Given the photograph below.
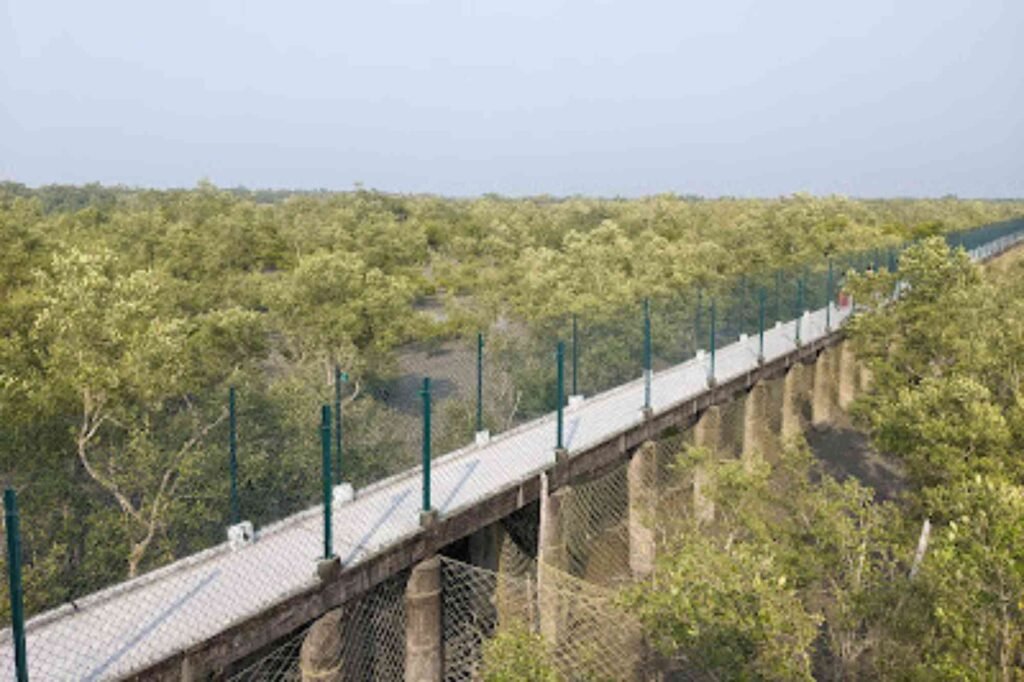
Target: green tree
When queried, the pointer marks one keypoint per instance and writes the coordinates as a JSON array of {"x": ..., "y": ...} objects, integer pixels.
[
  {"x": 517, "y": 655},
  {"x": 132, "y": 362}
]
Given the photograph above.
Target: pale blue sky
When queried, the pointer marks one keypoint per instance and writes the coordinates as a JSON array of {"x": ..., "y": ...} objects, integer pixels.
[{"x": 741, "y": 97}]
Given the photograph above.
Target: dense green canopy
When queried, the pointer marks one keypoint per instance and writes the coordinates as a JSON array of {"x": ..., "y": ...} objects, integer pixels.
[{"x": 126, "y": 314}]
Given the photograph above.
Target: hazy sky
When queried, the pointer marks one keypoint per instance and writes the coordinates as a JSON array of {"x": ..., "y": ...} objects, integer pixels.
[{"x": 758, "y": 97}]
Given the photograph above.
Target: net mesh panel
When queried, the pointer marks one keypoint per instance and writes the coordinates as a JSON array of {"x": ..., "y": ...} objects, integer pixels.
[
  {"x": 594, "y": 528},
  {"x": 674, "y": 331},
  {"x": 610, "y": 349},
  {"x": 470, "y": 616},
  {"x": 588, "y": 636},
  {"x": 384, "y": 426},
  {"x": 281, "y": 664},
  {"x": 369, "y": 646},
  {"x": 521, "y": 369}
]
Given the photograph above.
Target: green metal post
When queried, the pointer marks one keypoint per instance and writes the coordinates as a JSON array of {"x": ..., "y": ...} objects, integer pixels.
[
  {"x": 14, "y": 583},
  {"x": 698, "y": 320},
  {"x": 828, "y": 298},
  {"x": 711, "y": 344},
  {"x": 575, "y": 357},
  {"x": 760, "y": 324},
  {"x": 325, "y": 478},
  {"x": 778, "y": 295},
  {"x": 560, "y": 370},
  {"x": 892, "y": 260},
  {"x": 479, "y": 382},
  {"x": 647, "y": 354},
  {"x": 338, "y": 460},
  {"x": 799, "y": 307},
  {"x": 233, "y": 455},
  {"x": 741, "y": 306},
  {"x": 425, "y": 394}
]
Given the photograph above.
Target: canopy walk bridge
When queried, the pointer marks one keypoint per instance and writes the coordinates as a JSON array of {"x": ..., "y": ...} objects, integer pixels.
[{"x": 376, "y": 599}]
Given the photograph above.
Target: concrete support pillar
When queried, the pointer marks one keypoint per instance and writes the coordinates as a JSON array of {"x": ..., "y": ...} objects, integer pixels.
[
  {"x": 321, "y": 657},
  {"x": 706, "y": 434},
  {"x": 821, "y": 390},
  {"x": 551, "y": 548},
  {"x": 642, "y": 486},
  {"x": 424, "y": 634},
  {"x": 552, "y": 557},
  {"x": 792, "y": 386},
  {"x": 846, "y": 376},
  {"x": 756, "y": 430}
]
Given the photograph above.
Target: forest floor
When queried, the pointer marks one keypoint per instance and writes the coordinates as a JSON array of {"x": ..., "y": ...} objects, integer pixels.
[{"x": 845, "y": 452}]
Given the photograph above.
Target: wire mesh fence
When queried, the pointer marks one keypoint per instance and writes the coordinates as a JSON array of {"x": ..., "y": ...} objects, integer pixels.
[
  {"x": 596, "y": 532},
  {"x": 586, "y": 634},
  {"x": 506, "y": 375},
  {"x": 364, "y": 639}
]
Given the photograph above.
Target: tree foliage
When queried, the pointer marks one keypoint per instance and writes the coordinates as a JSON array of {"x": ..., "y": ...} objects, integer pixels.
[
  {"x": 125, "y": 314},
  {"x": 799, "y": 574}
]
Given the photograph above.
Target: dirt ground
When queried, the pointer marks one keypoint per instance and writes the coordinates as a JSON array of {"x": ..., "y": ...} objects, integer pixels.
[{"x": 846, "y": 452}]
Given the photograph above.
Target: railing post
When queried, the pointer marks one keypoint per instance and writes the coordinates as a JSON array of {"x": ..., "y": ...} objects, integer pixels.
[
  {"x": 778, "y": 295},
  {"x": 698, "y": 320},
  {"x": 339, "y": 377},
  {"x": 426, "y": 510},
  {"x": 828, "y": 298},
  {"x": 325, "y": 478},
  {"x": 233, "y": 456},
  {"x": 575, "y": 357},
  {"x": 479, "y": 382},
  {"x": 560, "y": 396},
  {"x": 760, "y": 325},
  {"x": 799, "y": 307},
  {"x": 741, "y": 306},
  {"x": 14, "y": 583},
  {"x": 711, "y": 345},
  {"x": 647, "y": 354}
]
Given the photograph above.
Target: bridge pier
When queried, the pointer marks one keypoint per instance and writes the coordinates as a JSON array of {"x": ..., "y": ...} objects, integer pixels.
[
  {"x": 424, "y": 633},
  {"x": 707, "y": 433},
  {"x": 821, "y": 389},
  {"x": 641, "y": 477},
  {"x": 322, "y": 656},
  {"x": 756, "y": 430},
  {"x": 846, "y": 376},
  {"x": 552, "y": 556},
  {"x": 792, "y": 387}
]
